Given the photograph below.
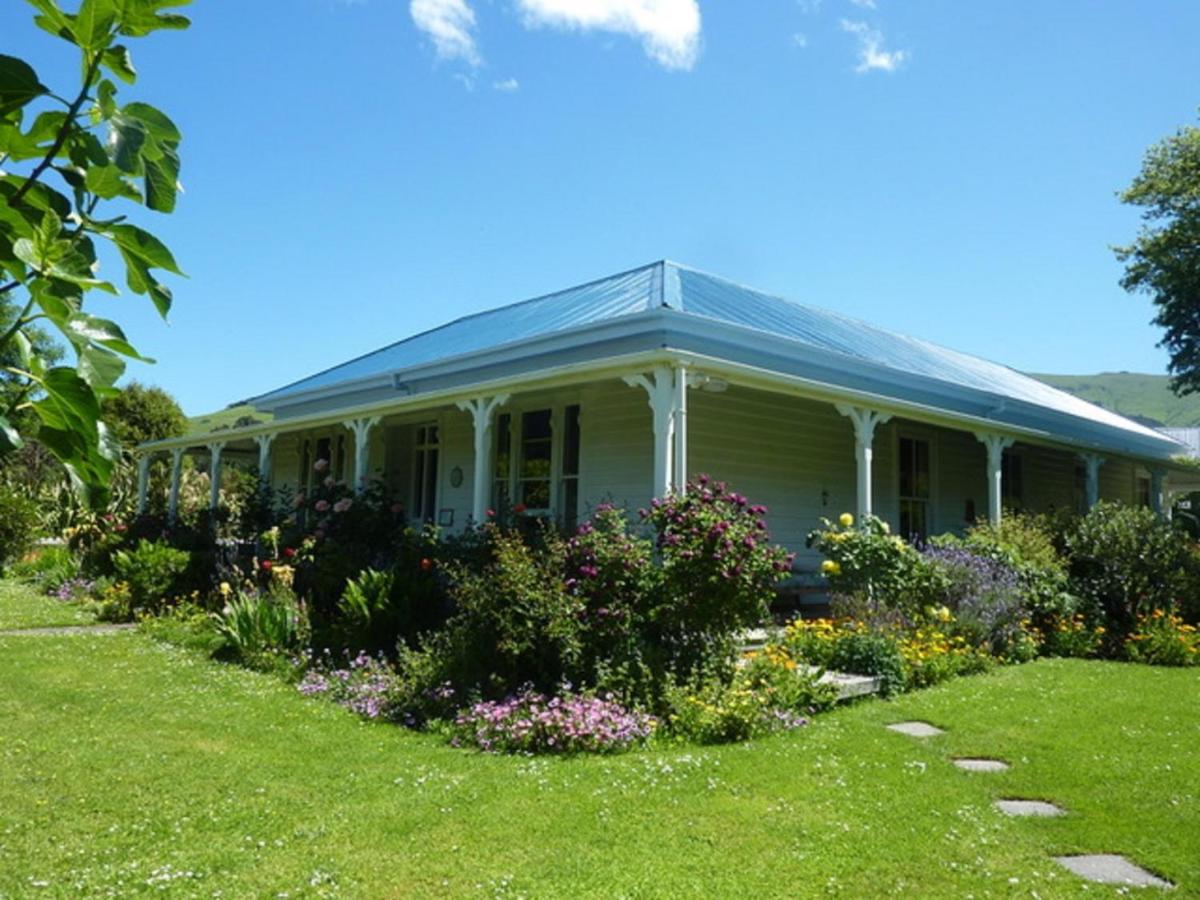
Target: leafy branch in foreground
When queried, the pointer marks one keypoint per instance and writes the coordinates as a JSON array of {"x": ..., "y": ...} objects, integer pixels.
[{"x": 63, "y": 164}]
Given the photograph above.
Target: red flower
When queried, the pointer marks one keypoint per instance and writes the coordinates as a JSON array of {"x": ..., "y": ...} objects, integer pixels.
[
  {"x": 491, "y": 513},
  {"x": 519, "y": 508},
  {"x": 289, "y": 552},
  {"x": 426, "y": 564},
  {"x": 266, "y": 565}
]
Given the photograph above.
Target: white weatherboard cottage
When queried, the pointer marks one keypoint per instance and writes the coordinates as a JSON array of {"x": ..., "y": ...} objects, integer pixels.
[{"x": 621, "y": 388}]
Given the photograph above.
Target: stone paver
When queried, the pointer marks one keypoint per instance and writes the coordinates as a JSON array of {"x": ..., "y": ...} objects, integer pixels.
[
  {"x": 1109, "y": 868},
  {"x": 979, "y": 764},
  {"x": 916, "y": 729},
  {"x": 1029, "y": 808},
  {"x": 66, "y": 629}
]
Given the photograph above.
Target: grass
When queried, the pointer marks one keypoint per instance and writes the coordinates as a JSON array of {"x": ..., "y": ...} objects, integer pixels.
[
  {"x": 226, "y": 418},
  {"x": 23, "y": 607},
  {"x": 130, "y": 766},
  {"x": 1147, "y": 398}
]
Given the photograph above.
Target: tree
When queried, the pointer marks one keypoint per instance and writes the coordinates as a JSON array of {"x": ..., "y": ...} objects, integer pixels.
[
  {"x": 138, "y": 414},
  {"x": 11, "y": 386},
  {"x": 1164, "y": 260},
  {"x": 65, "y": 162}
]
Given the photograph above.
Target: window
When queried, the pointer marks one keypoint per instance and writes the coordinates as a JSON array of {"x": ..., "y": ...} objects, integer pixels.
[
  {"x": 569, "y": 491},
  {"x": 502, "y": 468},
  {"x": 339, "y": 461},
  {"x": 425, "y": 473},
  {"x": 916, "y": 483},
  {"x": 1012, "y": 488},
  {"x": 1143, "y": 491},
  {"x": 533, "y": 476},
  {"x": 536, "y": 462}
]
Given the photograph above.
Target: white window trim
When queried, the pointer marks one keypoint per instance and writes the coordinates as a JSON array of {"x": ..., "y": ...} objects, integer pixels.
[
  {"x": 415, "y": 448},
  {"x": 516, "y": 410}
]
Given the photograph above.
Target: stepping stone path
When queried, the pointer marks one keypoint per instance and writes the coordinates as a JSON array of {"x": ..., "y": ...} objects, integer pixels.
[
  {"x": 971, "y": 764},
  {"x": 1103, "y": 868},
  {"x": 1109, "y": 868},
  {"x": 1039, "y": 808}
]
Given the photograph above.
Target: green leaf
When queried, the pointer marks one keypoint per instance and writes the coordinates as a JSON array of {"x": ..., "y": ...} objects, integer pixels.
[
  {"x": 104, "y": 181},
  {"x": 82, "y": 328},
  {"x": 9, "y": 439},
  {"x": 140, "y": 17},
  {"x": 120, "y": 63},
  {"x": 18, "y": 84},
  {"x": 106, "y": 93},
  {"x": 162, "y": 182},
  {"x": 140, "y": 281},
  {"x": 126, "y": 140},
  {"x": 52, "y": 19},
  {"x": 94, "y": 23},
  {"x": 45, "y": 127},
  {"x": 145, "y": 246},
  {"x": 154, "y": 121},
  {"x": 99, "y": 367}
]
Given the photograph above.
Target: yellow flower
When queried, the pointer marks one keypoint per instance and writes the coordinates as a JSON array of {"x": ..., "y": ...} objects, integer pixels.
[
  {"x": 225, "y": 589},
  {"x": 831, "y": 567},
  {"x": 885, "y": 528},
  {"x": 846, "y": 520}
]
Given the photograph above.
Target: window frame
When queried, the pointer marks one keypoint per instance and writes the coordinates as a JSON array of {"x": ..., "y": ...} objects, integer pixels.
[
  {"x": 507, "y": 486},
  {"x": 929, "y": 437}
]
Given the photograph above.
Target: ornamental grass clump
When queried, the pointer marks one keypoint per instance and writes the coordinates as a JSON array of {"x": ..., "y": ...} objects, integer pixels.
[
  {"x": 530, "y": 722},
  {"x": 366, "y": 685}
]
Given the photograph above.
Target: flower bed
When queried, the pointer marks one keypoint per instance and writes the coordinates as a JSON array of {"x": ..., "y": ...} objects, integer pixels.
[{"x": 530, "y": 722}]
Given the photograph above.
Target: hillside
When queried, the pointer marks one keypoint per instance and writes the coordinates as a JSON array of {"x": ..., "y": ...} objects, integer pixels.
[
  {"x": 226, "y": 418},
  {"x": 1145, "y": 398}
]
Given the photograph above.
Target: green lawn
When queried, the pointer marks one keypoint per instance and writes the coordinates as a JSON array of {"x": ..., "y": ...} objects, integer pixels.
[
  {"x": 129, "y": 766},
  {"x": 23, "y": 607}
]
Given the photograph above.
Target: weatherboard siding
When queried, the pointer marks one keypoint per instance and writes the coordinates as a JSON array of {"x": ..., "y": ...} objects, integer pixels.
[{"x": 794, "y": 456}]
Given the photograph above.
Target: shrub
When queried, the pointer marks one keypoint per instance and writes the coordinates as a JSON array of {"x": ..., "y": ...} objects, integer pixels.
[
  {"x": 771, "y": 692},
  {"x": 185, "y": 625},
  {"x": 1163, "y": 639},
  {"x": 530, "y": 722},
  {"x": 153, "y": 573},
  {"x": 850, "y": 646},
  {"x": 984, "y": 596},
  {"x": 931, "y": 656},
  {"x": 868, "y": 562},
  {"x": 365, "y": 685},
  {"x": 364, "y": 602},
  {"x": 1025, "y": 544},
  {"x": 719, "y": 568},
  {"x": 1125, "y": 562},
  {"x": 18, "y": 525},
  {"x": 259, "y": 625},
  {"x": 1071, "y": 637},
  {"x": 47, "y": 567},
  {"x": 784, "y": 683}
]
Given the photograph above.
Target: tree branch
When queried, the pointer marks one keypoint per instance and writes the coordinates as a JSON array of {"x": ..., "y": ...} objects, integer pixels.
[{"x": 61, "y": 137}]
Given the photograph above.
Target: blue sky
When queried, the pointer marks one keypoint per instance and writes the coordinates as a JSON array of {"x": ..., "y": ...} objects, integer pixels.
[{"x": 359, "y": 171}]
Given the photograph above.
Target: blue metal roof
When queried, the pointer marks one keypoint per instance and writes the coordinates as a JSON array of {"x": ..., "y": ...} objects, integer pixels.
[{"x": 678, "y": 291}]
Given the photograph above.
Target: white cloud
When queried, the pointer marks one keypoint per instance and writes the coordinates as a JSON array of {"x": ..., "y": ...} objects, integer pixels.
[
  {"x": 507, "y": 86},
  {"x": 871, "y": 55},
  {"x": 864, "y": 4},
  {"x": 450, "y": 24},
  {"x": 809, "y": 7},
  {"x": 669, "y": 29},
  {"x": 799, "y": 40}
]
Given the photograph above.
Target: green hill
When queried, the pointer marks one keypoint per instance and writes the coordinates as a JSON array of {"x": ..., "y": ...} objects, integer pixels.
[
  {"x": 229, "y": 417},
  {"x": 1144, "y": 398}
]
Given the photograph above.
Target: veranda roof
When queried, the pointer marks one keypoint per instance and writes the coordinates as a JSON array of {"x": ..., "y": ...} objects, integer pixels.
[{"x": 665, "y": 304}]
